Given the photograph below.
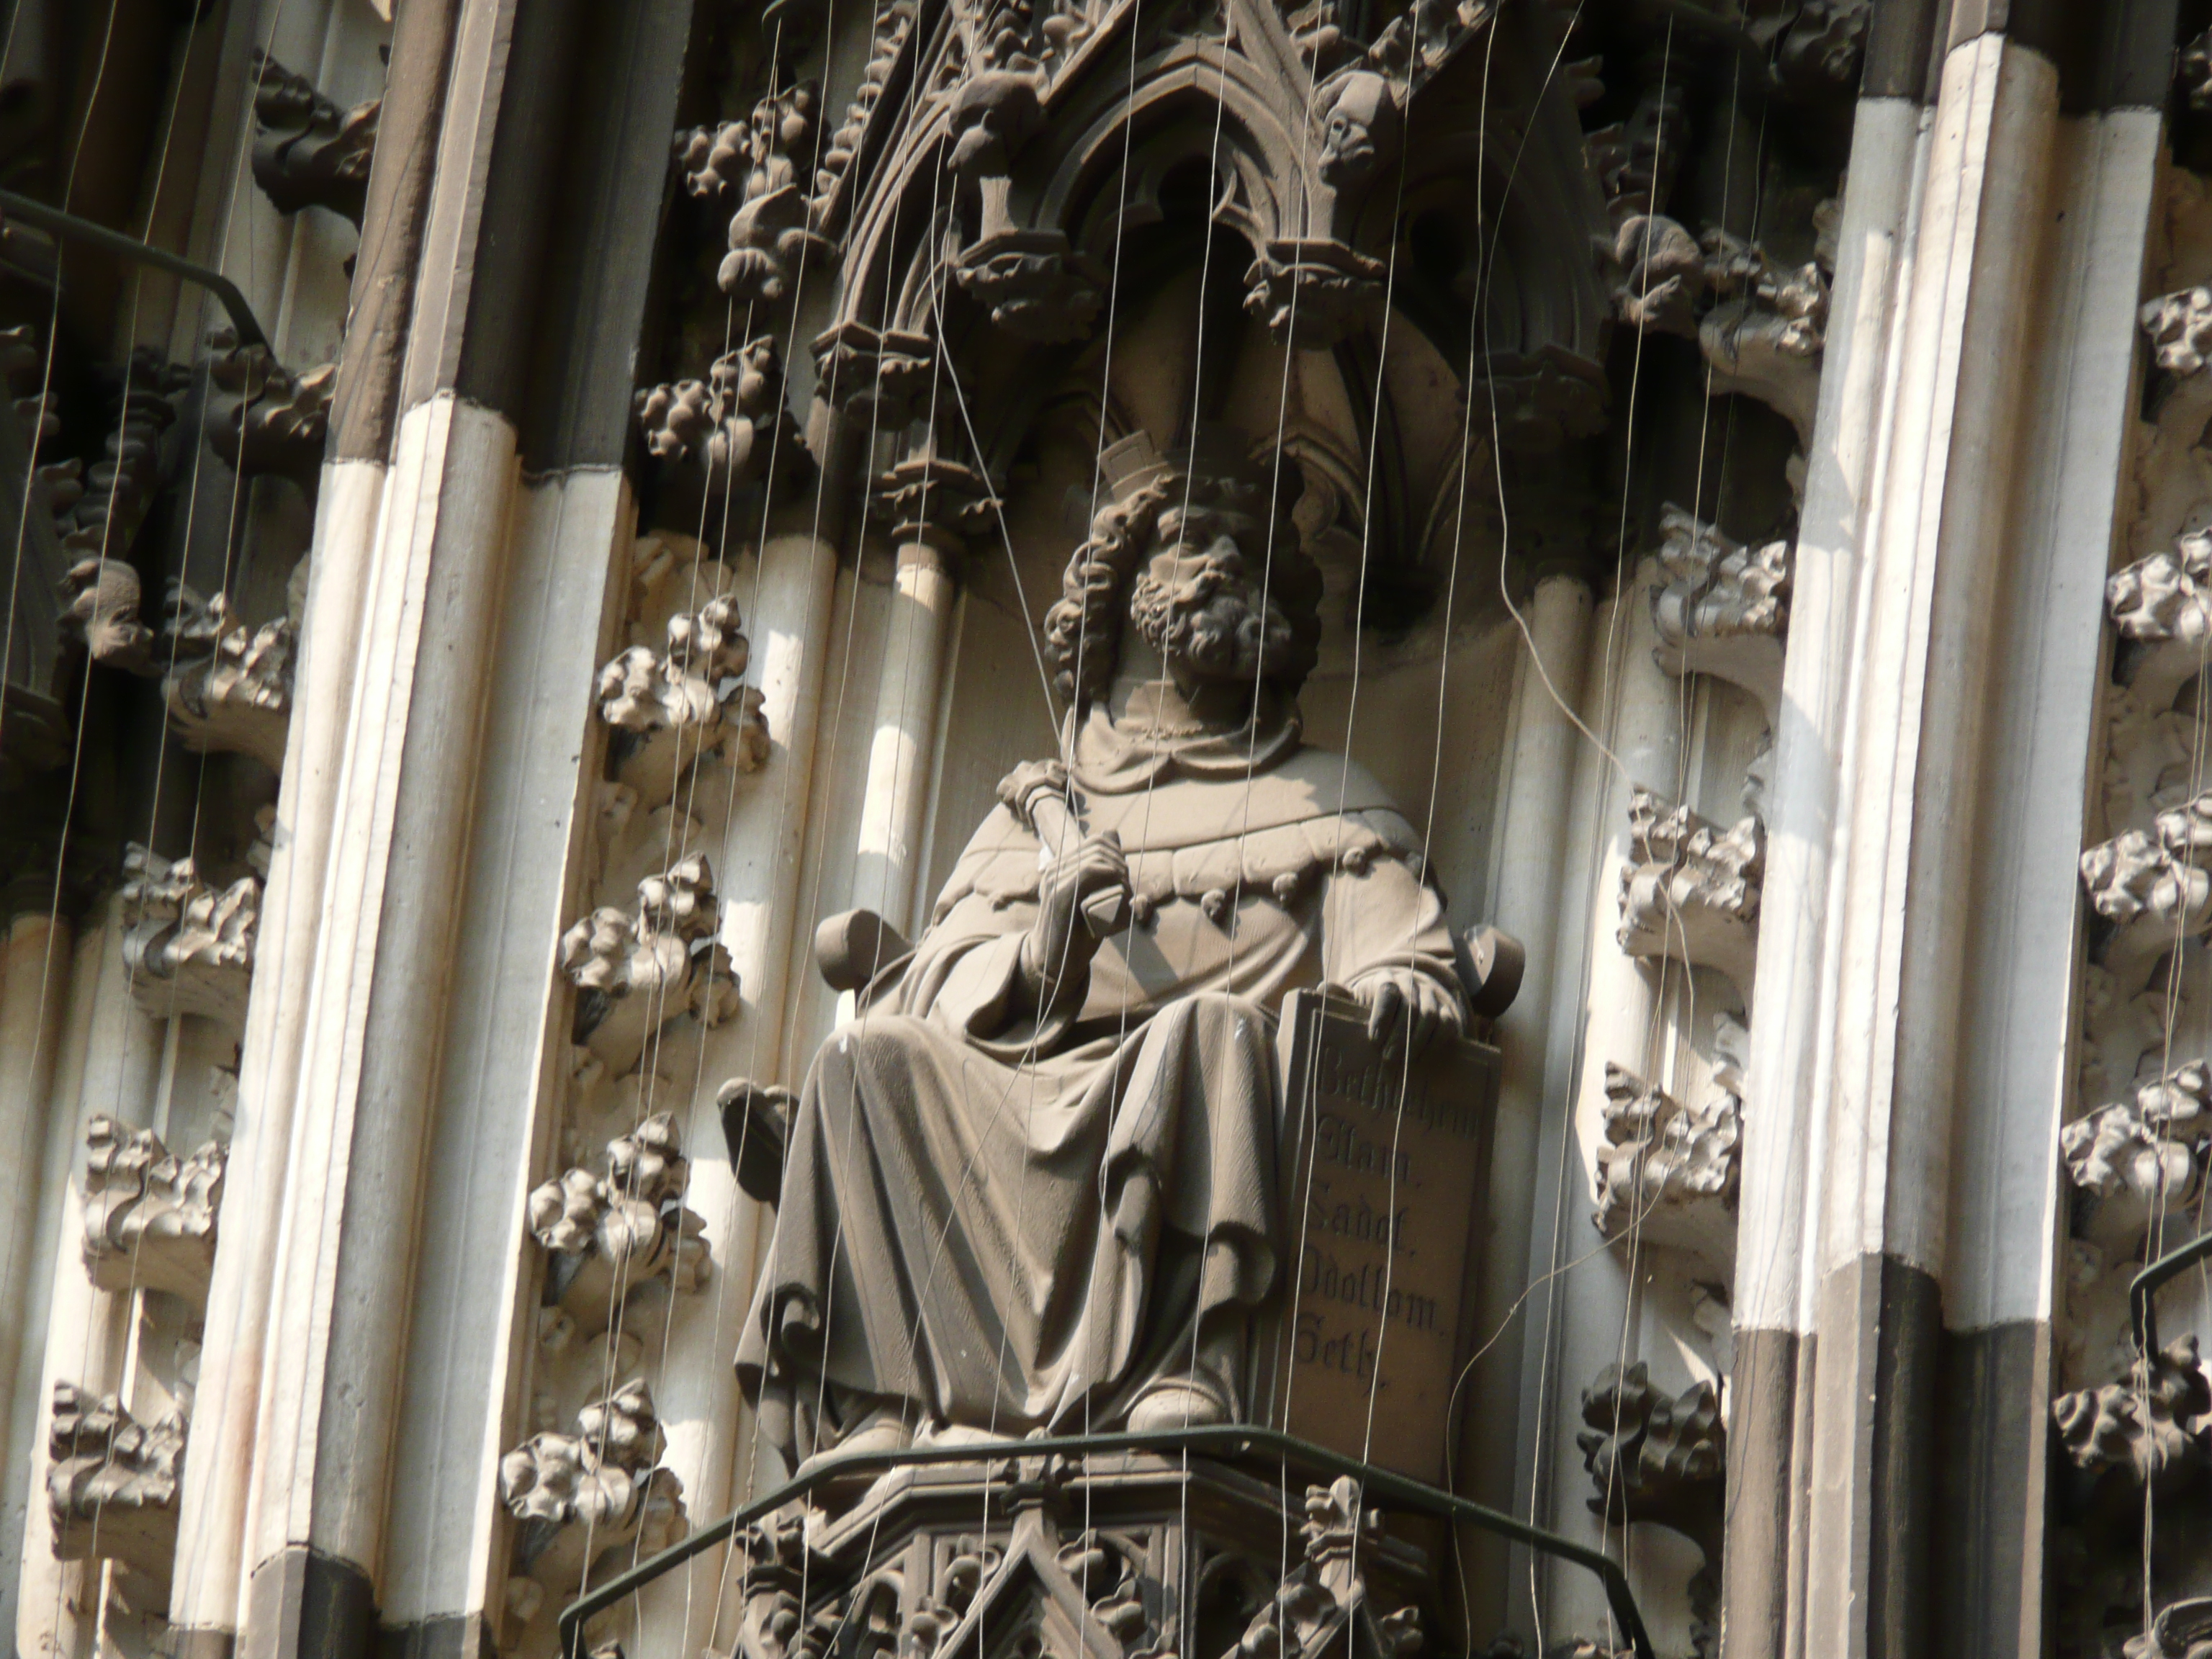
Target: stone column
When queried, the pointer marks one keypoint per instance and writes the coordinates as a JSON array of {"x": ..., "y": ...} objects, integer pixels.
[
  {"x": 933, "y": 502},
  {"x": 115, "y": 1053},
  {"x": 35, "y": 963},
  {"x": 1577, "y": 1322},
  {"x": 1537, "y": 790},
  {"x": 1876, "y": 249},
  {"x": 219, "y": 1456},
  {"x": 85, "y": 1030},
  {"x": 1937, "y": 549},
  {"x": 710, "y": 1435}
]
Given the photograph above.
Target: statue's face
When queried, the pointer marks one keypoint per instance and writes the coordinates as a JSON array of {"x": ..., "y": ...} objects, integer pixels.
[{"x": 1200, "y": 602}]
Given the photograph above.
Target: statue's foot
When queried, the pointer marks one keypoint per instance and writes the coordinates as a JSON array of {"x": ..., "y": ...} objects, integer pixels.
[
  {"x": 1177, "y": 1402},
  {"x": 883, "y": 1430}
]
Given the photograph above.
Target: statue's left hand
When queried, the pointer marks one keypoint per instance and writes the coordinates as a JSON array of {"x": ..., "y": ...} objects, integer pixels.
[{"x": 1407, "y": 1008}]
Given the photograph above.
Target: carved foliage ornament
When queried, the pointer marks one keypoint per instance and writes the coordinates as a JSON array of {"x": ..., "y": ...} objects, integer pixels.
[
  {"x": 593, "y": 1494},
  {"x": 1689, "y": 890},
  {"x": 607, "y": 1236},
  {"x": 1669, "y": 1173},
  {"x": 189, "y": 946},
  {"x": 310, "y": 153},
  {"x": 638, "y": 969},
  {"x": 686, "y": 702},
  {"x": 149, "y": 1216},
  {"x": 229, "y": 684},
  {"x": 112, "y": 1482},
  {"x": 1723, "y": 608}
]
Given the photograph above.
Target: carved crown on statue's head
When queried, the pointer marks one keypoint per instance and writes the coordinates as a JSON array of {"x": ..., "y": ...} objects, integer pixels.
[{"x": 1216, "y": 469}]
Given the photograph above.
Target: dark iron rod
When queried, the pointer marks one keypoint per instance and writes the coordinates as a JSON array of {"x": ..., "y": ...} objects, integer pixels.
[{"x": 130, "y": 247}]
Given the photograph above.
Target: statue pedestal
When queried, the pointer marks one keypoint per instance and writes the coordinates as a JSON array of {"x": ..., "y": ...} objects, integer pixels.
[{"x": 1132, "y": 1556}]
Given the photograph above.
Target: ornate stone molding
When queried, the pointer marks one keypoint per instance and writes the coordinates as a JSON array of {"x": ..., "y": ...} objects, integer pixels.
[
  {"x": 636, "y": 970},
  {"x": 189, "y": 946},
  {"x": 606, "y": 1237},
  {"x": 309, "y": 152},
  {"x": 229, "y": 684},
  {"x": 149, "y": 1216},
  {"x": 680, "y": 705},
  {"x": 269, "y": 421},
  {"x": 1724, "y": 607},
  {"x": 112, "y": 1482},
  {"x": 1689, "y": 890},
  {"x": 1668, "y": 1172},
  {"x": 592, "y": 1496}
]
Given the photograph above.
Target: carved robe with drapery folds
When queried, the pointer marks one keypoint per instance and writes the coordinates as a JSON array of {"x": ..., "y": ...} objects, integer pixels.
[{"x": 1009, "y": 1222}]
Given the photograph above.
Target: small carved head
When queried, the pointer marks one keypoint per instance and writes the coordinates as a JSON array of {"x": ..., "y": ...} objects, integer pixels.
[{"x": 1361, "y": 132}]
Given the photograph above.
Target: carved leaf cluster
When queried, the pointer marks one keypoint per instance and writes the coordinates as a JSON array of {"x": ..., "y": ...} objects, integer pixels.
[
  {"x": 730, "y": 429},
  {"x": 609, "y": 1234},
  {"x": 2179, "y": 326},
  {"x": 581, "y": 1496},
  {"x": 98, "y": 513},
  {"x": 189, "y": 946},
  {"x": 149, "y": 1216},
  {"x": 229, "y": 684},
  {"x": 1690, "y": 891},
  {"x": 1724, "y": 607},
  {"x": 1669, "y": 1172},
  {"x": 309, "y": 152},
  {"x": 111, "y": 1481},
  {"x": 1655, "y": 1456},
  {"x": 639, "y": 968},
  {"x": 2148, "y": 1429},
  {"x": 271, "y": 421},
  {"x": 1323, "y": 1601}
]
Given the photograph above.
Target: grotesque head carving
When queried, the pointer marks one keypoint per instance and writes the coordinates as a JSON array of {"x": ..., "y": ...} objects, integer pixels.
[
  {"x": 1363, "y": 131},
  {"x": 1193, "y": 551}
]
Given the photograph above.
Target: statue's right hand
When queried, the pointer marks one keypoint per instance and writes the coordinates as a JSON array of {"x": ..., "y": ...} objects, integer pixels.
[{"x": 1056, "y": 956}]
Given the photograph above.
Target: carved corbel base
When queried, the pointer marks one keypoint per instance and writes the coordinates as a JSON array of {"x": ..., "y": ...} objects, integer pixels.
[{"x": 1131, "y": 1556}]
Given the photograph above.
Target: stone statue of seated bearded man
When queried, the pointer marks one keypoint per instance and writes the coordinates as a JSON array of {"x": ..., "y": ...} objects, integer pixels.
[{"x": 1031, "y": 1186}]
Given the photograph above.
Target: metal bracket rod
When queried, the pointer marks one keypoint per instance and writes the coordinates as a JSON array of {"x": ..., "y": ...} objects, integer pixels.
[
  {"x": 130, "y": 247},
  {"x": 1228, "y": 1440},
  {"x": 2142, "y": 1317}
]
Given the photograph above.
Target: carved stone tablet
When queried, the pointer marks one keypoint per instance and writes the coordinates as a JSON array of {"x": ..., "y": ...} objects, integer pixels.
[{"x": 1382, "y": 1213}]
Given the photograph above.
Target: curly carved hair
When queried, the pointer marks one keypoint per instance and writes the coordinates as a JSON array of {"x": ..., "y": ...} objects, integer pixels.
[{"x": 1083, "y": 629}]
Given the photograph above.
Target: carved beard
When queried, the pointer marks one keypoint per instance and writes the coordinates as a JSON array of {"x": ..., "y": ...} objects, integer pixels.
[{"x": 1211, "y": 620}]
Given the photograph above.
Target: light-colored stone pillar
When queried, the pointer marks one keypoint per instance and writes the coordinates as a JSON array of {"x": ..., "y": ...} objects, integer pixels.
[
  {"x": 35, "y": 964},
  {"x": 377, "y": 1001},
  {"x": 934, "y": 503},
  {"x": 219, "y": 1456},
  {"x": 1875, "y": 248},
  {"x": 895, "y": 805},
  {"x": 94, "y": 1021},
  {"x": 1537, "y": 789},
  {"x": 710, "y": 1431},
  {"x": 117, "y": 1055},
  {"x": 1578, "y": 1319},
  {"x": 1937, "y": 550}
]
